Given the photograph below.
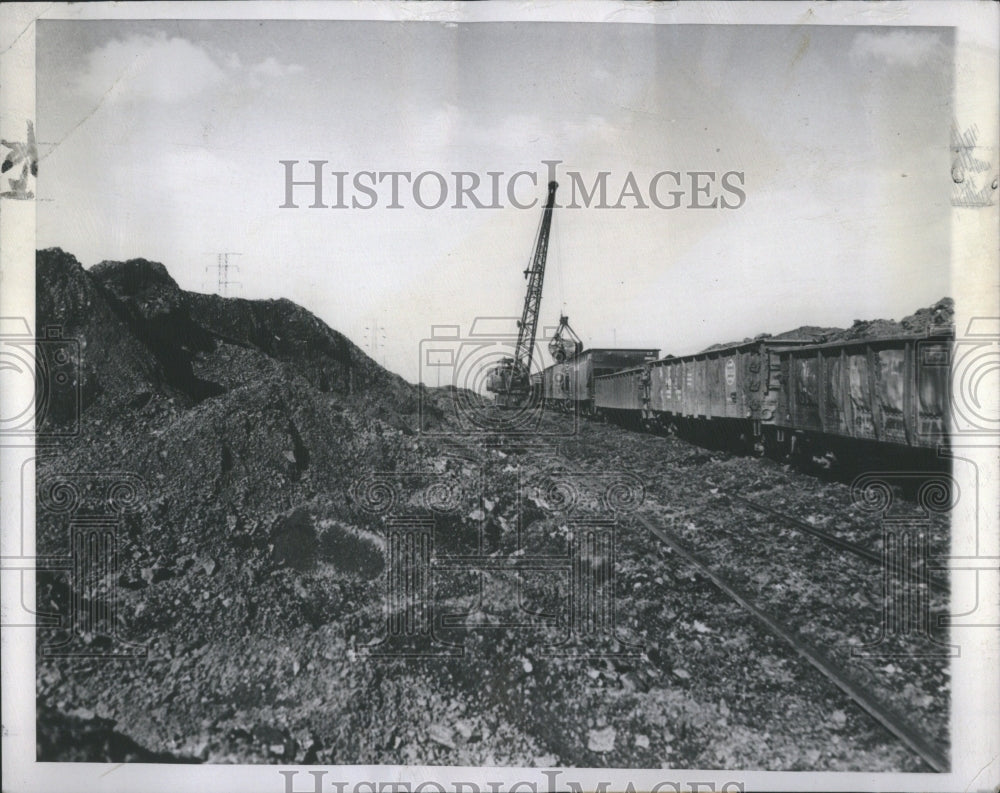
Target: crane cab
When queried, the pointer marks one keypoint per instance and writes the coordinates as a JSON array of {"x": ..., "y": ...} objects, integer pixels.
[{"x": 510, "y": 382}]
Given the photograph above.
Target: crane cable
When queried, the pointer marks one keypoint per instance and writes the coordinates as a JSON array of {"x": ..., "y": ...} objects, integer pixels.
[
  {"x": 534, "y": 247},
  {"x": 559, "y": 272},
  {"x": 556, "y": 250}
]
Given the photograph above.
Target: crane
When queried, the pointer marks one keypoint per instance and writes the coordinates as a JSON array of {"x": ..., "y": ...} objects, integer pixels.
[{"x": 510, "y": 380}]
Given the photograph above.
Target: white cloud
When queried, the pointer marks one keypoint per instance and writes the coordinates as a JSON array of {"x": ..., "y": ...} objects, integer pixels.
[
  {"x": 896, "y": 48},
  {"x": 149, "y": 67},
  {"x": 273, "y": 68},
  {"x": 167, "y": 70}
]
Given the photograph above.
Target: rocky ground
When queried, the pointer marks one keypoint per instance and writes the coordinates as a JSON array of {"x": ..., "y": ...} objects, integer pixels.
[{"x": 264, "y": 459}]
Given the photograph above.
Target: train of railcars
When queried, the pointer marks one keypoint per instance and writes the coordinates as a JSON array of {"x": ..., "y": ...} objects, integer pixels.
[{"x": 782, "y": 396}]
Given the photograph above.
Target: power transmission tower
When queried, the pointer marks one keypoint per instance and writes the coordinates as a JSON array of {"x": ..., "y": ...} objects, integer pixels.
[
  {"x": 222, "y": 267},
  {"x": 375, "y": 339}
]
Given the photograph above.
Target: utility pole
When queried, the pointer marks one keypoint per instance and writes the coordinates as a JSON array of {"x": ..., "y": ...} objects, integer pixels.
[{"x": 222, "y": 267}]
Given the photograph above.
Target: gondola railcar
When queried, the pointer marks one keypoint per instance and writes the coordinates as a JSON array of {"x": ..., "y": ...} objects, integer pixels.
[{"x": 570, "y": 385}]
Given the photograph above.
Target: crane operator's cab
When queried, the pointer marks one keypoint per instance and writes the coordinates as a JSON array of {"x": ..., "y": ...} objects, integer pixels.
[{"x": 510, "y": 383}]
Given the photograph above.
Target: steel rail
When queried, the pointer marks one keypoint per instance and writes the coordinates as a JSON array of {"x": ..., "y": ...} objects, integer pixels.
[
  {"x": 891, "y": 721},
  {"x": 825, "y": 536}
]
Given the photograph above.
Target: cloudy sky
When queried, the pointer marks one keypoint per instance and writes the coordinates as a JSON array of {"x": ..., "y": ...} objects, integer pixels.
[{"x": 162, "y": 139}]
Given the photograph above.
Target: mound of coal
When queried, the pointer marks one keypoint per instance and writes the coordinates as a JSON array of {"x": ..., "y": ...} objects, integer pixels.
[
  {"x": 240, "y": 426},
  {"x": 941, "y": 315},
  {"x": 107, "y": 362},
  {"x": 151, "y": 305},
  {"x": 211, "y": 400},
  {"x": 812, "y": 333}
]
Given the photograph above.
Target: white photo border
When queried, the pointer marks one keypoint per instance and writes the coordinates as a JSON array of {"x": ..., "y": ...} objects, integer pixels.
[{"x": 975, "y": 264}]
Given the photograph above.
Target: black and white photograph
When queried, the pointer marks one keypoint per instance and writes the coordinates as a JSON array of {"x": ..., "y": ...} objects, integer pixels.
[{"x": 482, "y": 397}]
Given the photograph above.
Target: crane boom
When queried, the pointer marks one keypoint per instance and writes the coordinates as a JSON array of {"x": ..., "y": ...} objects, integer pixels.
[
  {"x": 528, "y": 326},
  {"x": 510, "y": 379}
]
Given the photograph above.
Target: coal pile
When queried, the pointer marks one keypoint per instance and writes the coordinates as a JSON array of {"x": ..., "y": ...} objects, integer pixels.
[
  {"x": 938, "y": 317},
  {"x": 143, "y": 335},
  {"x": 239, "y": 425}
]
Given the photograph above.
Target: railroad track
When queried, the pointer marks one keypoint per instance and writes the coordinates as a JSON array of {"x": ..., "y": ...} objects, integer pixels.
[
  {"x": 830, "y": 539},
  {"x": 860, "y": 551},
  {"x": 892, "y": 721}
]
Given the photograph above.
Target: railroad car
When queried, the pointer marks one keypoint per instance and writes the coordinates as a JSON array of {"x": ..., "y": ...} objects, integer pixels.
[
  {"x": 727, "y": 385},
  {"x": 570, "y": 385},
  {"x": 720, "y": 392},
  {"x": 845, "y": 396},
  {"x": 623, "y": 395}
]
